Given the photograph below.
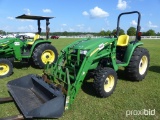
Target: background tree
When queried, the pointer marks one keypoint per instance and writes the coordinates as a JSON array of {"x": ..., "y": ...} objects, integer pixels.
[
  {"x": 131, "y": 31},
  {"x": 121, "y": 32},
  {"x": 158, "y": 34},
  {"x": 2, "y": 32},
  {"x": 150, "y": 33},
  {"x": 65, "y": 33},
  {"x": 114, "y": 31},
  {"x": 108, "y": 33},
  {"x": 102, "y": 33},
  {"x": 143, "y": 33}
]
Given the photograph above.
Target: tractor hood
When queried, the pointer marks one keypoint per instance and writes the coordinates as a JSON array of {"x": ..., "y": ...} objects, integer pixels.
[
  {"x": 6, "y": 41},
  {"x": 92, "y": 43}
]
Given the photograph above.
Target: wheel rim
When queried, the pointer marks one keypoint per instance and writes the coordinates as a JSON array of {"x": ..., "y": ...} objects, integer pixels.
[
  {"x": 109, "y": 83},
  {"x": 47, "y": 56},
  {"x": 143, "y": 65},
  {"x": 4, "y": 69}
]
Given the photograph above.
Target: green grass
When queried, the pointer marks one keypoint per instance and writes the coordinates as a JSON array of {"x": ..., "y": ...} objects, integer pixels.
[{"x": 128, "y": 95}]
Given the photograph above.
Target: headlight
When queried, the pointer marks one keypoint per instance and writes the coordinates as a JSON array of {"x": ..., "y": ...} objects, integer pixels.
[{"x": 83, "y": 52}]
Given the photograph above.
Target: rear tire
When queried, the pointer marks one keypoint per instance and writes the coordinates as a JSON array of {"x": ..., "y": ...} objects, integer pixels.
[
  {"x": 105, "y": 81},
  {"x": 6, "y": 68},
  {"x": 139, "y": 63},
  {"x": 44, "y": 53}
]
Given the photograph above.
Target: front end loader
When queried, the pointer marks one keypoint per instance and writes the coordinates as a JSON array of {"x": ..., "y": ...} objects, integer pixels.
[
  {"x": 49, "y": 95},
  {"x": 21, "y": 49}
]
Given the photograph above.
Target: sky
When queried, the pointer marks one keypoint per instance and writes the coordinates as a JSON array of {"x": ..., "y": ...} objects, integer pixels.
[{"x": 79, "y": 15}]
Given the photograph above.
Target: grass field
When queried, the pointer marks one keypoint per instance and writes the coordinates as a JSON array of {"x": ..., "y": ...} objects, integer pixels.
[{"x": 128, "y": 95}]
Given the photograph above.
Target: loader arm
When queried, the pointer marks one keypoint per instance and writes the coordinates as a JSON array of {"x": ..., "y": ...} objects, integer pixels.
[{"x": 73, "y": 64}]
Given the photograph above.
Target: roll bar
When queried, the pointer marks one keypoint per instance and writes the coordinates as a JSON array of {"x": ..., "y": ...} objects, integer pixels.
[{"x": 138, "y": 23}]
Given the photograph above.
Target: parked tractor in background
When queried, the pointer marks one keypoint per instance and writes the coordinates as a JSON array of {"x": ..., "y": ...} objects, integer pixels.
[
  {"x": 21, "y": 49},
  {"x": 49, "y": 95}
]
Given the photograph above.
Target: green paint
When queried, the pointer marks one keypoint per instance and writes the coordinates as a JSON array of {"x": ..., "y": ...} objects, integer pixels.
[{"x": 81, "y": 56}]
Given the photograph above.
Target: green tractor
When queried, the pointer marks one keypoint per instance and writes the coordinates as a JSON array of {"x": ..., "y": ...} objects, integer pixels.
[
  {"x": 21, "y": 49},
  {"x": 49, "y": 95}
]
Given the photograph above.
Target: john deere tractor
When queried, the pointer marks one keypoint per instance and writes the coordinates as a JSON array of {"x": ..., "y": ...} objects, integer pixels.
[
  {"x": 21, "y": 49},
  {"x": 49, "y": 95}
]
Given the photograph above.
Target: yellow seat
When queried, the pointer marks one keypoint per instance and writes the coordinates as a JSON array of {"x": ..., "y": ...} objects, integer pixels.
[
  {"x": 123, "y": 40},
  {"x": 34, "y": 39}
]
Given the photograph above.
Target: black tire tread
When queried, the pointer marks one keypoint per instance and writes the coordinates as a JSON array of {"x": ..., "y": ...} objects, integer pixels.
[
  {"x": 39, "y": 50},
  {"x": 132, "y": 69},
  {"x": 6, "y": 61},
  {"x": 99, "y": 78}
]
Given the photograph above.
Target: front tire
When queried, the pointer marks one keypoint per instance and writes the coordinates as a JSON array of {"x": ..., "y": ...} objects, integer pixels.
[
  {"x": 43, "y": 54},
  {"x": 6, "y": 68},
  {"x": 139, "y": 63},
  {"x": 105, "y": 81}
]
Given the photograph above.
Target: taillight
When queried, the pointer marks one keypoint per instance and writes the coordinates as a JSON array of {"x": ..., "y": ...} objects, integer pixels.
[{"x": 139, "y": 35}]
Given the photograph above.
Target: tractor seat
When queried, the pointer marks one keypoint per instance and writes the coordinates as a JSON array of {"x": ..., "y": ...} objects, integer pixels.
[
  {"x": 37, "y": 36},
  {"x": 123, "y": 40}
]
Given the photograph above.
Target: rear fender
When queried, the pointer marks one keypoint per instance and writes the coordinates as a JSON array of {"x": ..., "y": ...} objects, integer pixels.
[{"x": 130, "y": 49}]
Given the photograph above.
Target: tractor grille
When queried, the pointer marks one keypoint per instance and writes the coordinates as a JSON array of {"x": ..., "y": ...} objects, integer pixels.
[{"x": 72, "y": 61}]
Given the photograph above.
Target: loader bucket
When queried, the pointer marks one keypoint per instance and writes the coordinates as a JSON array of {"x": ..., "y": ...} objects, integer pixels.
[{"x": 36, "y": 98}]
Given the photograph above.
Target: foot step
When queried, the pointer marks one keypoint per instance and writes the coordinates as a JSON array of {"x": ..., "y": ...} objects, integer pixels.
[
  {"x": 119, "y": 62},
  {"x": 26, "y": 54}
]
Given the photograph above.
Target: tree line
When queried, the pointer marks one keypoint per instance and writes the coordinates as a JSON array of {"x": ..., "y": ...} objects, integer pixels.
[{"x": 131, "y": 32}]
